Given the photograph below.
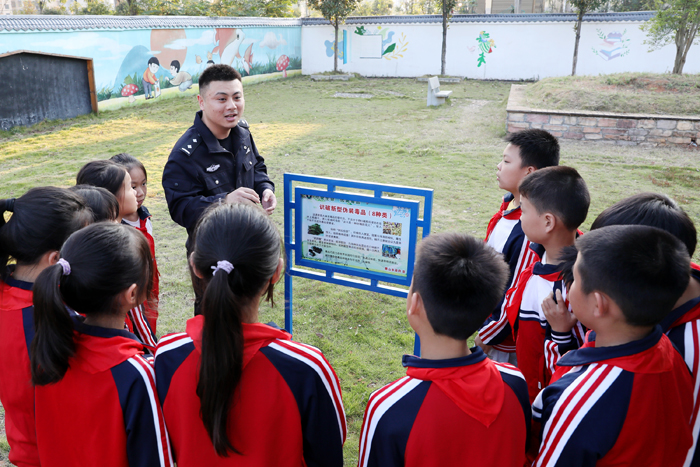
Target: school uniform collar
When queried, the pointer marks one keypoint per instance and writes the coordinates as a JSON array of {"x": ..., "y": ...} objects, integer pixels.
[
  {"x": 12, "y": 282},
  {"x": 255, "y": 336},
  {"x": 591, "y": 354},
  {"x": 510, "y": 213},
  {"x": 143, "y": 213},
  {"x": 208, "y": 137},
  {"x": 477, "y": 355},
  {"x": 99, "y": 349},
  {"x": 472, "y": 383},
  {"x": 537, "y": 248}
]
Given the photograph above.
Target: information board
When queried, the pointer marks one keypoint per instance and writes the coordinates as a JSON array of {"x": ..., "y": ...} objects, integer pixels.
[{"x": 363, "y": 235}]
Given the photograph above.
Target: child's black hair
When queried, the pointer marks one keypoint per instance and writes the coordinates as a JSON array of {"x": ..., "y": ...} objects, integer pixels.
[
  {"x": 42, "y": 219},
  {"x": 176, "y": 64},
  {"x": 218, "y": 72},
  {"x": 654, "y": 210},
  {"x": 538, "y": 148},
  {"x": 103, "y": 204},
  {"x": 107, "y": 174},
  {"x": 559, "y": 190},
  {"x": 105, "y": 259},
  {"x": 255, "y": 255},
  {"x": 153, "y": 60},
  {"x": 460, "y": 280},
  {"x": 130, "y": 162},
  {"x": 644, "y": 270}
]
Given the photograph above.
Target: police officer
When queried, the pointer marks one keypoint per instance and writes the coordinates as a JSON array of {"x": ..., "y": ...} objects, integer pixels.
[{"x": 216, "y": 159}]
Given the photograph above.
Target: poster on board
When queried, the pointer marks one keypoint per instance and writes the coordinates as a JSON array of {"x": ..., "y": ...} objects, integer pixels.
[{"x": 366, "y": 237}]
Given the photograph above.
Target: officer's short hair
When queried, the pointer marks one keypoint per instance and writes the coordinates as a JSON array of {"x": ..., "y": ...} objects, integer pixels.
[{"x": 217, "y": 73}]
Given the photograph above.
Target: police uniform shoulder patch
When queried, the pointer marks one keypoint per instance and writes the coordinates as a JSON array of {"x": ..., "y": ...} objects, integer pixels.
[
  {"x": 191, "y": 144},
  {"x": 243, "y": 123}
]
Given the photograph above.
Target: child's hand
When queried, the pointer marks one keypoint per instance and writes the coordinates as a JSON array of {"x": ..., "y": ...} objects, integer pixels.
[
  {"x": 484, "y": 347},
  {"x": 557, "y": 314}
]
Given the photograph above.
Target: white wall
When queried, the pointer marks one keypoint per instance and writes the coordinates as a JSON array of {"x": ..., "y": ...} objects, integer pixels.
[{"x": 523, "y": 49}]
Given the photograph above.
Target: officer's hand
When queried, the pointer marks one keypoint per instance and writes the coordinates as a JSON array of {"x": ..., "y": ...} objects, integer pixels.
[
  {"x": 557, "y": 314},
  {"x": 243, "y": 196},
  {"x": 269, "y": 201}
]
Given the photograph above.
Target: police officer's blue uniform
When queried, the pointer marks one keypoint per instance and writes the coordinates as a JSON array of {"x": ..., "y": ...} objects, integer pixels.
[{"x": 200, "y": 171}]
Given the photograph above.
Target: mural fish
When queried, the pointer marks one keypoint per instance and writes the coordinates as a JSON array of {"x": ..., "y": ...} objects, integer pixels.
[
  {"x": 248, "y": 59},
  {"x": 230, "y": 41}
]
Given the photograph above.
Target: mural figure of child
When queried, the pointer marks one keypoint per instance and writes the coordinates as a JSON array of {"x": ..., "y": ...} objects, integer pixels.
[{"x": 149, "y": 78}]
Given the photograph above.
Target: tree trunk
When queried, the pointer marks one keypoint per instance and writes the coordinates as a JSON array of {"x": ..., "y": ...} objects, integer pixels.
[
  {"x": 684, "y": 39},
  {"x": 335, "y": 46},
  {"x": 444, "y": 38},
  {"x": 578, "y": 36}
]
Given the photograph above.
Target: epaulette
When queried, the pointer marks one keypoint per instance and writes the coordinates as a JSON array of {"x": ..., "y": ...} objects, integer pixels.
[
  {"x": 243, "y": 123},
  {"x": 191, "y": 144}
]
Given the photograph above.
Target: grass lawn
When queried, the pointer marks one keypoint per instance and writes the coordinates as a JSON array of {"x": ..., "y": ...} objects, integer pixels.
[
  {"x": 299, "y": 126},
  {"x": 646, "y": 93}
]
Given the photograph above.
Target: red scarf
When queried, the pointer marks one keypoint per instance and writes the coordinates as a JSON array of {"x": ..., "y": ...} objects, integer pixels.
[
  {"x": 477, "y": 389},
  {"x": 255, "y": 336}
]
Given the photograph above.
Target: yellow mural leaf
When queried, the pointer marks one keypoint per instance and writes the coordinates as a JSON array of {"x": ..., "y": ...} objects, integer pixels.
[{"x": 400, "y": 55}]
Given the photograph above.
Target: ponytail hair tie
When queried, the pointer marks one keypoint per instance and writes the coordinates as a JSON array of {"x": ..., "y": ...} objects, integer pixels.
[
  {"x": 7, "y": 205},
  {"x": 225, "y": 265},
  {"x": 65, "y": 265}
]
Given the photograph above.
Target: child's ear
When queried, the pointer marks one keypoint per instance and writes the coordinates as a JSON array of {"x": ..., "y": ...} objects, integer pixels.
[
  {"x": 130, "y": 296},
  {"x": 415, "y": 305},
  {"x": 602, "y": 305},
  {"x": 194, "y": 268},
  {"x": 278, "y": 272},
  {"x": 52, "y": 257},
  {"x": 550, "y": 222},
  {"x": 530, "y": 169}
]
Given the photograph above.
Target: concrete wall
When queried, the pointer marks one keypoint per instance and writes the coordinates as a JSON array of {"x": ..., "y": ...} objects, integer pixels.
[{"x": 511, "y": 47}]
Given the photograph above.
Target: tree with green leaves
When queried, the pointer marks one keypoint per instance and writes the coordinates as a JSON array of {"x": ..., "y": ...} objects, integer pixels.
[
  {"x": 675, "y": 21},
  {"x": 447, "y": 10},
  {"x": 334, "y": 11},
  {"x": 581, "y": 7}
]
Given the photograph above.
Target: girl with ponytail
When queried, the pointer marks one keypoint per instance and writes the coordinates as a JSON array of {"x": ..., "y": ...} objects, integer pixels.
[
  {"x": 39, "y": 223},
  {"x": 234, "y": 391},
  {"x": 95, "y": 392}
]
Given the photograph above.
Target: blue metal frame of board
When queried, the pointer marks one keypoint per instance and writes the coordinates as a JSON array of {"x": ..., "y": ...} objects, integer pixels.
[{"x": 328, "y": 272}]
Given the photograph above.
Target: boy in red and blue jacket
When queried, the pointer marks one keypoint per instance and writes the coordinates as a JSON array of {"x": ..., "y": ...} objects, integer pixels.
[
  {"x": 628, "y": 375},
  {"x": 554, "y": 202},
  {"x": 682, "y": 325},
  {"x": 526, "y": 152},
  {"x": 454, "y": 401}
]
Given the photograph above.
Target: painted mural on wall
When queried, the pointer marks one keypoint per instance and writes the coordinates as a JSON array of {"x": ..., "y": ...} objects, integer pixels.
[
  {"x": 614, "y": 45},
  {"x": 369, "y": 42},
  {"x": 486, "y": 46},
  {"x": 144, "y": 64}
]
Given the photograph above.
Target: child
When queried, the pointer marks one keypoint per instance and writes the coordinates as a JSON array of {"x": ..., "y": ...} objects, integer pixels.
[
  {"x": 683, "y": 323},
  {"x": 554, "y": 202},
  {"x": 42, "y": 219},
  {"x": 235, "y": 391},
  {"x": 455, "y": 404},
  {"x": 102, "y": 203},
  {"x": 95, "y": 392},
  {"x": 526, "y": 152},
  {"x": 141, "y": 219},
  {"x": 625, "y": 397},
  {"x": 116, "y": 180}
]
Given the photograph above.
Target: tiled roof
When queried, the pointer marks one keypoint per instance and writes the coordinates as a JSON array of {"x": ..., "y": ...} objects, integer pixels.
[
  {"x": 62, "y": 23},
  {"x": 635, "y": 16}
]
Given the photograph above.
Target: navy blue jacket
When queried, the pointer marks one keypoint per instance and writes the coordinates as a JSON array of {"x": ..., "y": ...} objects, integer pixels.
[{"x": 200, "y": 171}]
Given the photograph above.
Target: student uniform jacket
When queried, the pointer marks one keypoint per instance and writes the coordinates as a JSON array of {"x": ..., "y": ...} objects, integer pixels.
[
  {"x": 445, "y": 411},
  {"x": 105, "y": 410},
  {"x": 16, "y": 390},
  {"x": 287, "y": 409},
  {"x": 537, "y": 347},
  {"x": 200, "y": 171},
  {"x": 611, "y": 406},
  {"x": 145, "y": 226},
  {"x": 682, "y": 326},
  {"x": 505, "y": 235}
]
